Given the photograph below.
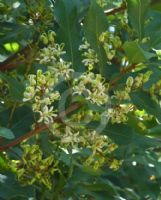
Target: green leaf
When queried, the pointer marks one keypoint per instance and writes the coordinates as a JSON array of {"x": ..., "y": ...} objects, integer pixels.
[
  {"x": 155, "y": 131},
  {"x": 137, "y": 10},
  {"x": 125, "y": 135},
  {"x": 135, "y": 53},
  {"x": 154, "y": 78},
  {"x": 12, "y": 47},
  {"x": 12, "y": 32},
  {"x": 144, "y": 101},
  {"x": 94, "y": 24},
  {"x": 121, "y": 134},
  {"x": 21, "y": 121},
  {"x": 10, "y": 188},
  {"x": 16, "y": 88},
  {"x": 156, "y": 5},
  {"x": 6, "y": 133},
  {"x": 3, "y": 163},
  {"x": 153, "y": 30},
  {"x": 69, "y": 29}
]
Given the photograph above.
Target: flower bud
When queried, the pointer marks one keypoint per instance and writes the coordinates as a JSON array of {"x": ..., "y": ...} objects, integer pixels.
[
  {"x": 44, "y": 39},
  {"x": 51, "y": 36},
  {"x": 129, "y": 81}
]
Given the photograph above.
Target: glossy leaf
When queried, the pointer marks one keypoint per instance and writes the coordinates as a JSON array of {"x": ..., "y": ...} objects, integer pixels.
[
  {"x": 135, "y": 53},
  {"x": 95, "y": 23},
  {"x": 137, "y": 10},
  {"x": 16, "y": 89},
  {"x": 144, "y": 101},
  {"x": 69, "y": 29},
  {"x": 6, "y": 133},
  {"x": 10, "y": 188}
]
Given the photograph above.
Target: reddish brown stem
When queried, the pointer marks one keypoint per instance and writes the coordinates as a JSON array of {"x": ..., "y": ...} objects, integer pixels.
[
  {"x": 122, "y": 73},
  {"x": 41, "y": 128},
  {"x": 113, "y": 11},
  {"x": 24, "y": 137}
]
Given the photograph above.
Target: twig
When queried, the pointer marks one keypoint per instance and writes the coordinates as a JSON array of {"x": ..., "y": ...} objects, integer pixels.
[
  {"x": 11, "y": 114},
  {"x": 122, "y": 73},
  {"x": 113, "y": 11},
  {"x": 41, "y": 128}
]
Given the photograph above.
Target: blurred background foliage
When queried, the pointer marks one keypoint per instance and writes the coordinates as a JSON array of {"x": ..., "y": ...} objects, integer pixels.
[{"x": 137, "y": 24}]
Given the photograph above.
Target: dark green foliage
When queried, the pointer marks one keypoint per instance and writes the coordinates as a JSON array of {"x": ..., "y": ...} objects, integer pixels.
[{"x": 138, "y": 138}]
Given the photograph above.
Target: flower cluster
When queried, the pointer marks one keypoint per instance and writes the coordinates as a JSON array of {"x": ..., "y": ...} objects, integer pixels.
[
  {"x": 62, "y": 69},
  {"x": 92, "y": 87},
  {"x": 77, "y": 138},
  {"x": 110, "y": 44},
  {"x": 40, "y": 91},
  {"x": 118, "y": 114},
  {"x": 141, "y": 79},
  {"x": 101, "y": 147},
  {"x": 115, "y": 164},
  {"x": 155, "y": 90},
  {"x": 132, "y": 84},
  {"x": 34, "y": 168},
  {"x": 90, "y": 57},
  {"x": 51, "y": 56}
]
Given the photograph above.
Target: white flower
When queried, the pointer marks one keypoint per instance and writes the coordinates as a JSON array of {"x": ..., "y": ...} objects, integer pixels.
[
  {"x": 50, "y": 54},
  {"x": 32, "y": 79},
  {"x": 70, "y": 137},
  {"x": 29, "y": 93},
  {"x": 62, "y": 69},
  {"x": 92, "y": 87},
  {"x": 46, "y": 115},
  {"x": 90, "y": 57},
  {"x": 42, "y": 94}
]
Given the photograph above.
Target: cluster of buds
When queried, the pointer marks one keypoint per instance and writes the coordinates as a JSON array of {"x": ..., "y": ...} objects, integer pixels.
[
  {"x": 33, "y": 168},
  {"x": 132, "y": 84},
  {"x": 118, "y": 114},
  {"x": 92, "y": 87},
  {"x": 121, "y": 94},
  {"x": 99, "y": 143},
  {"x": 155, "y": 90},
  {"x": 101, "y": 147},
  {"x": 47, "y": 38},
  {"x": 51, "y": 56},
  {"x": 115, "y": 164},
  {"x": 138, "y": 81},
  {"x": 90, "y": 57},
  {"x": 110, "y": 44},
  {"x": 40, "y": 91},
  {"x": 102, "y": 3}
]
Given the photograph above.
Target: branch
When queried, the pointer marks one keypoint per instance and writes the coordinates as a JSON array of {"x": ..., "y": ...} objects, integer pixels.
[
  {"x": 41, "y": 128},
  {"x": 18, "y": 58},
  {"x": 122, "y": 73},
  {"x": 113, "y": 11}
]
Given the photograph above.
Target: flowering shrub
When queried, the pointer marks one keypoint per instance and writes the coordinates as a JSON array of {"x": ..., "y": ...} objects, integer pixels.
[{"x": 80, "y": 93}]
